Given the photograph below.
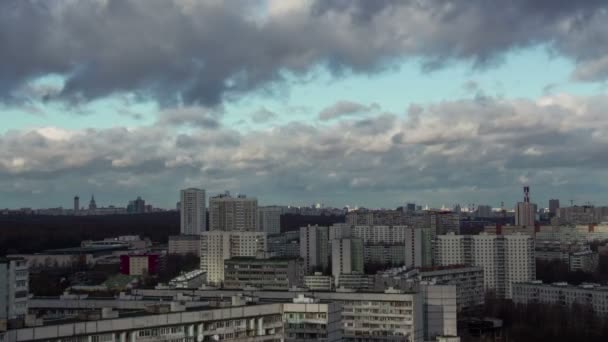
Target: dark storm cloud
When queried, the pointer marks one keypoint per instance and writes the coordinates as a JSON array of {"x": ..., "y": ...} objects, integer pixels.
[{"x": 200, "y": 52}]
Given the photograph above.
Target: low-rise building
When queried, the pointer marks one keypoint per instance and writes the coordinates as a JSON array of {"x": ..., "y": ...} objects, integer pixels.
[
  {"x": 319, "y": 282},
  {"x": 14, "y": 290},
  {"x": 355, "y": 281},
  {"x": 190, "y": 280},
  {"x": 162, "y": 322},
  {"x": 586, "y": 261},
  {"x": 308, "y": 320},
  {"x": 141, "y": 264},
  {"x": 468, "y": 281},
  {"x": 591, "y": 295},
  {"x": 185, "y": 245},
  {"x": 270, "y": 273}
]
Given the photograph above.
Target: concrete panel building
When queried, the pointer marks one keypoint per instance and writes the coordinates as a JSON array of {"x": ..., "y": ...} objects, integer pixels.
[
  {"x": 217, "y": 246},
  {"x": 314, "y": 243},
  {"x": 193, "y": 211},
  {"x": 269, "y": 274},
  {"x": 227, "y": 213},
  {"x": 505, "y": 259}
]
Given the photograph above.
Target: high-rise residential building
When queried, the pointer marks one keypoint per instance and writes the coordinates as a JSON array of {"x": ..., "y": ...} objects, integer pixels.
[
  {"x": 484, "y": 211},
  {"x": 14, "y": 289},
  {"x": 270, "y": 220},
  {"x": 553, "y": 206},
  {"x": 505, "y": 259},
  {"x": 418, "y": 247},
  {"x": 217, "y": 246},
  {"x": 193, "y": 211},
  {"x": 346, "y": 257},
  {"x": 525, "y": 212},
  {"x": 227, "y": 213},
  {"x": 314, "y": 248},
  {"x": 76, "y": 203}
]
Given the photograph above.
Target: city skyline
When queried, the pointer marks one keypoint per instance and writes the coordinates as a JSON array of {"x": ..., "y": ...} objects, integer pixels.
[{"x": 343, "y": 102}]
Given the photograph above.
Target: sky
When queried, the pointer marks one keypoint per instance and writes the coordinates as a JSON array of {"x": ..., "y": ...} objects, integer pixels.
[{"x": 341, "y": 102}]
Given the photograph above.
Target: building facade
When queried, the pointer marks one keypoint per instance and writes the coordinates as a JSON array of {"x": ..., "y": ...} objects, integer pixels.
[
  {"x": 14, "y": 289},
  {"x": 270, "y": 220},
  {"x": 268, "y": 273},
  {"x": 314, "y": 243},
  {"x": 185, "y": 245},
  {"x": 193, "y": 211},
  {"x": 346, "y": 257},
  {"x": 217, "y": 246},
  {"x": 591, "y": 295},
  {"x": 505, "y": 259},
  {"x": 227, "y": 213}
]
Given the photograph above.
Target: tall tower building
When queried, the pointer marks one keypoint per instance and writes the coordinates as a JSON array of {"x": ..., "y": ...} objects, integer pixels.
[
  {"x": 269, "y": 220},
  {"x": 314, "y": 247},
  {"x": 346, "y": 257},
  {"x": 76, "y": 203},
  {"x": 229, "y": 213},
  {"x": 525, "y": 212},
  {"x": 193, "y": 211}
]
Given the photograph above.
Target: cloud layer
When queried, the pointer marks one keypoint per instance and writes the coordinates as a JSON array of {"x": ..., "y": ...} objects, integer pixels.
[
  {"x": 204, "y": 52},
  {"x": 468, "y": 146}
]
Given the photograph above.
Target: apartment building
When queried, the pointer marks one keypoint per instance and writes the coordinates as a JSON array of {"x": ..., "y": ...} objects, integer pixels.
[
  {"x": 314, "y": 248},
  {"x": 594, "y": 296},
  {"x": 306, "y": 319},
  {"x": 217, "y": 246},
  {"x": 468, "y": 281},
  {"x": 227, "y": 213},
  {"x": 270, "y": 219},
  {"x": 366, "y": 316},
  {"x": 318, "y": 282},
  {"x": 193, "y": 211},
  {"x": 271, "y": 273},
  {"x": 505, "y": 259},
  {"x": 14, "y": 290},
  {"x": 346, "y": 257},
  {"x": 185, "y": 245}
]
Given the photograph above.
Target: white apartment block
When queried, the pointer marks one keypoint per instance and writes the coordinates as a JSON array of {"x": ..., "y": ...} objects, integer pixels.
[
  {"x": 314, "y": 242},
  {"x": 227, "y": 213},
  {"x": 418, "y": 247},
  {"x": 505, "y": 259},
  {"x": 308, "y": 320},
  {"x": 14, "y": 289},
  {"x": 346, "y": 257},
  {"x": 270, "y": 220},
  {"x": 217, "y": 246},
  {"x": 193, "y": 211},
  {"x": 593, "y": 295}
]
